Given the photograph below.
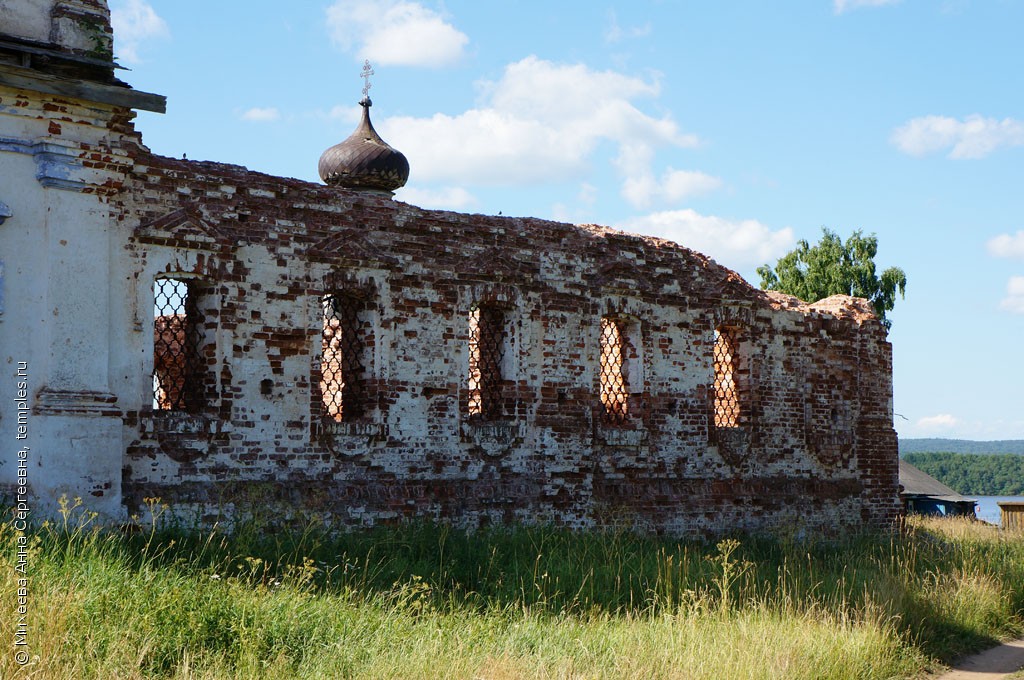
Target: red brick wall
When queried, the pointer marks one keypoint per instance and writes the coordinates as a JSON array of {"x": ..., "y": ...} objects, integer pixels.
[{"x": 817, "y": 452}]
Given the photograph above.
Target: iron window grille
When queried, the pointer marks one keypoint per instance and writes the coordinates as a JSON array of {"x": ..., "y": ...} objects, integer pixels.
[
  {"x": 727, "y": 410},
  {"x": 342, "y": 374},
  {"x": 614, "y": 378},
  {"x": 179, "y": 368},
  {"x": 486, "y": 355}
]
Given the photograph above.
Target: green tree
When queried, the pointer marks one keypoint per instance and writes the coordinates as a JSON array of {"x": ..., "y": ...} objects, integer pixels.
[
  {"x": 970, "y": 473},
  {"x": 832, "y": 267}
]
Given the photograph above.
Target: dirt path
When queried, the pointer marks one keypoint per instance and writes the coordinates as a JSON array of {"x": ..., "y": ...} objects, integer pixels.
[{"x": 994, "y": 663}]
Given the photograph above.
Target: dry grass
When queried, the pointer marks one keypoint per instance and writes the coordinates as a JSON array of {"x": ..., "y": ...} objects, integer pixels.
[{"x": 430, "y": 602}]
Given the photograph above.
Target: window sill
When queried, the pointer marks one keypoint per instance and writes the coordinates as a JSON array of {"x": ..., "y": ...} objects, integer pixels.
[
  {"x": 354, "y": 429},
  {"x": 352, "y": 439},
  {"x": 732, "y": 444},
  {"x": 179, "y": 423},
  {"x": 490, "y": 438},
  {"x": 496, "y": 431},
  {"x": 622, "y": 436},
  {"x": 184, "y": 437}
]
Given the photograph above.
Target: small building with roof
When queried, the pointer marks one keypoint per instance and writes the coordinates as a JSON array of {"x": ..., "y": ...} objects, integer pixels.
[
  {"x": 922, "y": 494},
  {"x": 1011, "y": 515}
]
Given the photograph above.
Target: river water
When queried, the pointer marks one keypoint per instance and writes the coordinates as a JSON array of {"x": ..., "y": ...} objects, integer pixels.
[{"x": 987, "y": 508}]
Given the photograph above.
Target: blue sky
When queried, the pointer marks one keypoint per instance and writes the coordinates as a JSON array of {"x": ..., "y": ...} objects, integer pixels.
[{"x": 735, "y": 128}]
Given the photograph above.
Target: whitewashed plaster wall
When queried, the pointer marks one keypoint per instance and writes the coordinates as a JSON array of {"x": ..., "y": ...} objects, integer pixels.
[{"x": 56, "y": 251}]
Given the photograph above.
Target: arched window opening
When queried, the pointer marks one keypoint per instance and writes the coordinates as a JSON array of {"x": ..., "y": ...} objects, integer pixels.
[
  {"x": 179, "y": 369},
  {"x": 614, "y": 371},
  {"x": 729, "y": 408},
  {"x": 342, "y": 372},
  {"x": 487, "y": 339}
]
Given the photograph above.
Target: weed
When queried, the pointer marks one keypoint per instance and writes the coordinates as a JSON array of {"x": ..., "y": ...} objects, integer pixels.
[{"x": 424, "y": 601}]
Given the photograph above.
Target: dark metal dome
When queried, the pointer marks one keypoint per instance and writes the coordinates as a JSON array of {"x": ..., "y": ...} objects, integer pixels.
[{"x": 364, "y": 160}]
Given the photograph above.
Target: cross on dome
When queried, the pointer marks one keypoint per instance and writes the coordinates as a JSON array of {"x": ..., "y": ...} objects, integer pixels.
[
  {"x": 365, "y": 74},
  {"x": 364, "y": 161}
]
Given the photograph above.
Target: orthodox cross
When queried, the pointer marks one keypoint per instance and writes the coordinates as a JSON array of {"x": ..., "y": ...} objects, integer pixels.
[{"x": 366, "y": 73}]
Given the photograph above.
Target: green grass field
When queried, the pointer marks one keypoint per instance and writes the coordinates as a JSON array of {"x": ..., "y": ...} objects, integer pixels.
[{"x": 428, "y": 601}]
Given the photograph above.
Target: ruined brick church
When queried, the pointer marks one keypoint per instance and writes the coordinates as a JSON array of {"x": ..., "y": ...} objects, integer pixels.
[{"x": 239, "y": 344}]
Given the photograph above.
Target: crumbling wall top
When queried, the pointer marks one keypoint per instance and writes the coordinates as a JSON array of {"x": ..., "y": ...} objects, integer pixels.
[
  {"x": 303, "y": 201},
  {"x": 854, "y": 309}
]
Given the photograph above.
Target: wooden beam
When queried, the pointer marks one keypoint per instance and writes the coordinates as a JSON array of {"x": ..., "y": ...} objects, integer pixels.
[{"x": 115, "y": 95}]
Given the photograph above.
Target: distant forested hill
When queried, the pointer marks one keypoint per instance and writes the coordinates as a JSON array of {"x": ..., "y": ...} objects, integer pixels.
[
  {"x": 960, "y": 446},
  {"x": 978, "y": 474}
]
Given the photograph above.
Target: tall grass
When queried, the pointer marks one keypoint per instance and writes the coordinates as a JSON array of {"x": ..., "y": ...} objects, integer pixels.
[{"x": 426, "y": 601}]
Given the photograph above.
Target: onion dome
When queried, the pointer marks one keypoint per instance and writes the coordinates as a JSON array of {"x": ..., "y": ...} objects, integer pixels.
[{"x": 364, "y": 161}]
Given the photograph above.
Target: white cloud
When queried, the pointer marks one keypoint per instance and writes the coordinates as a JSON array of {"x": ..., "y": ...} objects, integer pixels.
[
  {"x": 540, "y": 122},
  {"x": 735, "y": 243},
  {"x": 973, "y": 137},
  {"x": 1014, "y": 300},
  {"x": 616, "y": 32},
  {"x": 841, "y": 6},
  {"x": 345, "y": 114},
  {"x": 582, "y": 211},
  {"x": 262, "y": 114},
  {"x": 394, "y": 32},
  {"x": 954, "y": 6},
  {"x": 587, "y": 194},
  {"x": 447, "y": 198},
  {"x": 643, "y": 188},
  {"x": 135, "y": 22},
  {"x": 942, "y": 421},
  {"x": 483, "y": 145},
  {"x": 1006, "y": 245},
  {"x": 560, "y": 212}
]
